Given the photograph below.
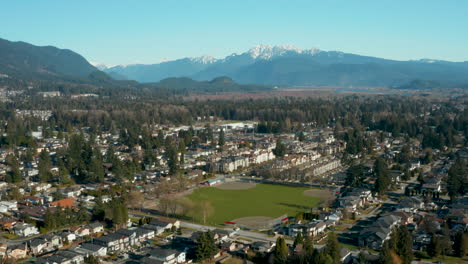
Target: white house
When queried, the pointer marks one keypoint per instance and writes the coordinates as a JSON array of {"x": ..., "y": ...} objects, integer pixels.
[
  {"x": 167, "y": 256},
  {"x": 25, "y": 229}
]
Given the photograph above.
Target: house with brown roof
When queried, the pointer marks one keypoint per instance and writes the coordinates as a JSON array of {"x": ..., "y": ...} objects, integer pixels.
[
  {"x": 64, "y": 203},
  {"x": 7, "y": 223}
]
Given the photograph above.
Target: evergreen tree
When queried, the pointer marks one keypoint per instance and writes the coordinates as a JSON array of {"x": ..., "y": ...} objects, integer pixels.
[
  {"x": 434, "y": 249},
  {"x": 308, "y": 246},
  {"x": 49, "y": 220},
  {"x": 99, "y": 211},
  {"x": 206, "y": 247},
  {"x": 82, "y": 216},
  {"x": 14, "y": 175},
  {"x": 221, "y": 140},
  {"x": 404, "y": 245},
  {"x": 119, "y": 212},
  {"x": 96, "y": 170},
  {"x": 63, "y": 174},
  {"x": 332, "y": 248},
  {"x": 383, "y": 180},
  {"x": 385, "y": 256},
  {"x": 457, "y": 181},
  {"x": 281, "y": 251},
  {"x": 91, "y": 260},
  {"x": 280, "y": 149},
  {"x": 460, "y": 245},
  {"x": 298, "y": 240},
  {"x": 355, "y": 176}
]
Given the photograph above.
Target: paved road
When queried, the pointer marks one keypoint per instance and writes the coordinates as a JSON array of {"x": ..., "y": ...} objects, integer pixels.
[
  {"x": 242, "y": 233},
  {"x": 255, "y": 236}
]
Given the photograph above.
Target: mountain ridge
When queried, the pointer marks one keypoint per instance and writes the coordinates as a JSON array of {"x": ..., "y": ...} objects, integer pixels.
[
  {"x": 23, "y": 59},
  {"x": 273, "y": 65}
]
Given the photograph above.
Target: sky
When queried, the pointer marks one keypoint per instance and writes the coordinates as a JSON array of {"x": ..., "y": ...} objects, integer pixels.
[{"x": 150, "y": 31}]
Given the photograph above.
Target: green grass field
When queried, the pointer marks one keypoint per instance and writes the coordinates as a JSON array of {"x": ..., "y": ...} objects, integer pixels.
[{"x": 262, "y": 200}]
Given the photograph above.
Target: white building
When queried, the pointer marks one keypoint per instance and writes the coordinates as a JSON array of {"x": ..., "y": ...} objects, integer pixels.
[{"x": 25, "y": 229}]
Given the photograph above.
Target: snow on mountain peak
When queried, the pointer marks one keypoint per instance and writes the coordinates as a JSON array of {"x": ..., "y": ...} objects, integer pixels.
[
  {"x": 266, "y": 52},
  {"x": 99, "y": 65}
]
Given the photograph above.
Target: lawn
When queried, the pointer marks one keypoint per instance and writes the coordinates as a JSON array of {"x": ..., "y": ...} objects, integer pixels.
[{"x": 262, "y": 200}]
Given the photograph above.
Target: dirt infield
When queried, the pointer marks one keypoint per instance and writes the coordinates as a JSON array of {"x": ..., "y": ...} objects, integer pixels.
[
  {"x": 253, "y": 222},
  {"x": 236, "y": 185}
]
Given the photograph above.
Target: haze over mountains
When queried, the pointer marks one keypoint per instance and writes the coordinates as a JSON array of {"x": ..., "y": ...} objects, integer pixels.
[
  {"x": 52, "y": 68},
  {"x": 262, "y": 65},
  {"x": 290, "y": 66}
]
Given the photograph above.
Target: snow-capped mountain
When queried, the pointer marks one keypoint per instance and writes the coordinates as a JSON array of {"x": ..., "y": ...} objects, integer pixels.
[
  {"x": 99, "y": 65},
  {"x": 288, "y": 65},
  {"x": 267, "y": 52}
]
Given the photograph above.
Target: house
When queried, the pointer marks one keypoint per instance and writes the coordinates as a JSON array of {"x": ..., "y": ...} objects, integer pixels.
[
  {"x": 54, "y": 240},
  {"x": 364, "y": 194},
  {"x": 167, "y": 256},
  {"x": 143, "y": 234},
  {"x": 113, "y": 242},
  {"x": 81, "y": 231},
  {"x": 34, "y": 212},
  {"x": 262, "y": 246},
  {"x": 68, "y": 236},
  {"x": 33, "y": 200},
  {"x": 375, "y": 235},
  {"x": 8, "y": 206},
  {"x": 72, "y": 192},
  {"x": 316, "y": 228},
  {"x": 64, "y": 203},
  {"x": 334, "y": 216},
  {"x": 7, "y": 223},
  {"x": 131, "y": 234},
  {"x": 406, "y": 218},
  {"x": 349, "y": 203},
  {"x": 39, "y": 245},
  {"x": 62, "y": 256},
  {"x": 90, "y": 249},
  {"x": 222, "y": 234},
  {"x": 19, "y": 251},
  {"x": 95, "y": 228},
  {"x": 431, "y": 184},
  {"x": 294, "y": 229},
  {"x": 25, "y": 230},
  {"x": 410, "y": 204},
  {"x": 165, "y": 223},
  {"x": 229, "y": 246},
  {"x": 156, "y": 229}
]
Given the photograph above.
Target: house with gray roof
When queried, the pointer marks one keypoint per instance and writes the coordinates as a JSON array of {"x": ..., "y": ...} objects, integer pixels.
[{"x": 375, "y": 235}]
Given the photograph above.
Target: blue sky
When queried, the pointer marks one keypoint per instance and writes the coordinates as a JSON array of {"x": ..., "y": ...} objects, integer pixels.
[{"x": 122, "y": 32}]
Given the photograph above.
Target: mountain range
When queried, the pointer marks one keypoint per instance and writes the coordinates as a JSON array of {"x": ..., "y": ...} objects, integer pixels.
[
  {"x": 52, "y": 68},
  {"x": 290, "y": 66},
  {"x": 262, "y": 65}
]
